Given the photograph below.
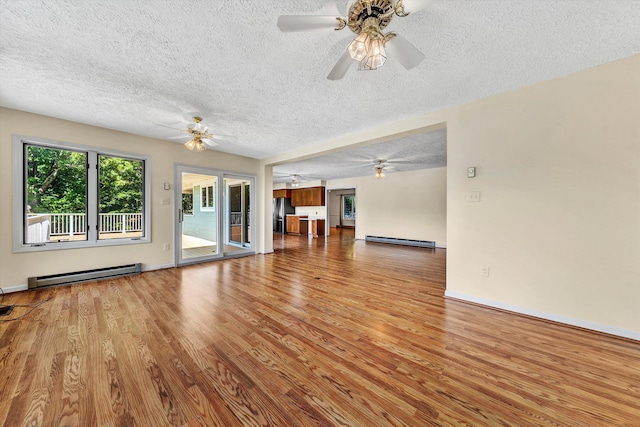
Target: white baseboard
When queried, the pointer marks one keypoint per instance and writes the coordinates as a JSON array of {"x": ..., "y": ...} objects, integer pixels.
[
  {"x": 157, "y": 267},
  {"x": 546, "y": 316},
  {"x": 16, "y": 288},
  {"x": 441, "y": 246}
]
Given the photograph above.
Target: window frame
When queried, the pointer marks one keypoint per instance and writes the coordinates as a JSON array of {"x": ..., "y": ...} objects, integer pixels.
[
  {"x": 204, "y": 201},
  {"x": 19, "y": 193}
]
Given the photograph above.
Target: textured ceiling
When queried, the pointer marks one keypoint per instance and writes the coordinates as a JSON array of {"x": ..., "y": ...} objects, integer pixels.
[
  {"x": 422, "y": 151},
  {"x": 136, "y": 65}
]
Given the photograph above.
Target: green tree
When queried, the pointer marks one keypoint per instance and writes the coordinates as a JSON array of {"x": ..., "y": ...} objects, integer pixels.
[
  {"x": 56, "y": 180},
  {"x": 121, "y": 185}
]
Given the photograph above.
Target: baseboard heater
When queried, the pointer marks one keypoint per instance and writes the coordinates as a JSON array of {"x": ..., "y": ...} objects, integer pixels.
[
  {"x": 396, "y": 241},
  {"x": 84, "y": 276}
]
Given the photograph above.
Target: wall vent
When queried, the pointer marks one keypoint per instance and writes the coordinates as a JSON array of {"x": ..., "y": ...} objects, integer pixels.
[
  {"x": 396, "y": 241},
  {"x": 84, "y": 276}
]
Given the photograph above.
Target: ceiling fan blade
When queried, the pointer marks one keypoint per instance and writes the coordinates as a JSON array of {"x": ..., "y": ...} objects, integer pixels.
[
  {"x": 295, "y": 23},
  {"x": 411, "y": 6},
  {"x": 404, "y": 52},
  {"x": 179, "y": 137},
  {"x": 340, "y": 69},
  {"x": 209, "y": 142}
]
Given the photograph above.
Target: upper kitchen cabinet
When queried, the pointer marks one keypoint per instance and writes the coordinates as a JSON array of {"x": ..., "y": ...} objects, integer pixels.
[
  {"x": 283, "y": 193},
  {"x": 311, "y": 196}
]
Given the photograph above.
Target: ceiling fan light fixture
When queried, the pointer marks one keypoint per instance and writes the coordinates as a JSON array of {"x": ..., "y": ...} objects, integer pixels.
[
  {"x": 359, "y": 47},
  {"x": 191, "y": 144},
  {"x": 200, "y": 147},
  {"x": 379, "y": 169},
  {"x": 377, "y": 56}
]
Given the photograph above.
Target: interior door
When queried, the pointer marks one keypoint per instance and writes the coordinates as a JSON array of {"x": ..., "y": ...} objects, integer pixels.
[{"x": 198, "y": 215}]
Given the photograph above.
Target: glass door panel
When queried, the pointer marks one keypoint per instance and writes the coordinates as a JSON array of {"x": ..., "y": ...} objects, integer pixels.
[
  {"x": 198, "y": 216},
  {"x": 238, "y": 215}
]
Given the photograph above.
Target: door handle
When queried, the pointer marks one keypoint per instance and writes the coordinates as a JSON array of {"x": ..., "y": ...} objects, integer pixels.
[{"x": 180, "y": 215}]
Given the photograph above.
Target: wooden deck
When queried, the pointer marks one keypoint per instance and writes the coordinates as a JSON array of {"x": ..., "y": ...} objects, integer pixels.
[{"x": 323, "y": 332}]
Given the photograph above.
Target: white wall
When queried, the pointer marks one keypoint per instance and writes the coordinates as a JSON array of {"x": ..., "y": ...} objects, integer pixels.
[
  {"x": 406, "y": 205},
  {"x": 16, "y": 268}
]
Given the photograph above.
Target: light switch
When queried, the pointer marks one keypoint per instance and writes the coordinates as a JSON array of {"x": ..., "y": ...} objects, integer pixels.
[
  {"x": 471, "y": 172},
  {"x": 167, "y": 186}
]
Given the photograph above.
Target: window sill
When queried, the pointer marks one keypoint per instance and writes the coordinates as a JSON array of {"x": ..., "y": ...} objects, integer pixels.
[{"x": 56, "y": 246}]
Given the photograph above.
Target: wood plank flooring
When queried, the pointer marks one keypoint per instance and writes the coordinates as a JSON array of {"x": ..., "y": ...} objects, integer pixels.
[{"x": 323, "y": 332}]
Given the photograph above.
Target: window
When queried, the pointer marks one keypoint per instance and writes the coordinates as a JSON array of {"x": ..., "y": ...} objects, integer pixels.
[
  {"x": 207, "y": 199},
  {"x": 69, "y": 196},
  {"x": 121, "y": 196},
  {"x": 348, "y": 207}
]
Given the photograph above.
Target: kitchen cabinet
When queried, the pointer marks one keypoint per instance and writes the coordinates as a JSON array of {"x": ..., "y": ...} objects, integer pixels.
[
  {"x": 293, "y": 224},
  {"x": 284, "y": 193},
  {"x": 310, "y": 196},
  {"x": 317, "y": 227}
]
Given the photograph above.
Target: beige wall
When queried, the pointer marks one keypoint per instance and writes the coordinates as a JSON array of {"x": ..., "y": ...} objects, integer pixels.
[
  {"x": 16, "y": 268},
  {"x": 406, "y": 205},
  {"x": 559, "y": 218}
]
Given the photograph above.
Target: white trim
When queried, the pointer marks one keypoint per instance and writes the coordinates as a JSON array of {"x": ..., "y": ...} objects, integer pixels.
[
  {"x": 546, "y": 316},
  {"x": 441, "y": 246},
  {"x": 158, "y": 267},
  {"x": 16, "y": 288}
]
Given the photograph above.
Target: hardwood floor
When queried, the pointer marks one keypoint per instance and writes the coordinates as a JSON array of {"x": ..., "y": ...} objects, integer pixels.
[{"x": 323, "y": 332}]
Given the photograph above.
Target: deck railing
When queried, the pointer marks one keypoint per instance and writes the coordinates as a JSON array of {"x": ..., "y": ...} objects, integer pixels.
[{"x": 69, "y": 224}]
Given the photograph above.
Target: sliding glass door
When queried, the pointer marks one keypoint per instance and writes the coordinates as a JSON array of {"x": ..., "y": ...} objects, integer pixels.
[{"x": 213, "y": 215}]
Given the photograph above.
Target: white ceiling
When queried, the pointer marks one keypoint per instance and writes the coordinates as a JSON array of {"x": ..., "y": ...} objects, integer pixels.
[{"x": 136, "y": 65}]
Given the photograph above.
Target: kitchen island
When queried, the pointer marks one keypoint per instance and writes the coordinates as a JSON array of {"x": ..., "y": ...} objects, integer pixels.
[{"x": 312, "y": 226}]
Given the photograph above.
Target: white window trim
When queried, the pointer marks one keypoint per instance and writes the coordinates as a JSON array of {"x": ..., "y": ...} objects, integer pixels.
[
  {"x": 92, "y": 203},
  {"x": 207, "y": 208}
]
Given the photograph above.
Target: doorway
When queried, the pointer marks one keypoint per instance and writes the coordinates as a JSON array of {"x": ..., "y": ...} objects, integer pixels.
[
  {"x": 342, "y": 208},
  {"x": 213, "y": 217}
]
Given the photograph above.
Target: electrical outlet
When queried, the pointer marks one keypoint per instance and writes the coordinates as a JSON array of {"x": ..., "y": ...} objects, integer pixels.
[
  {"x": 166, "y": 247},
  {"x": 166, "y": 201},
  {"x": 484, "y": 271},
  {"x": 473, "y": 196}
]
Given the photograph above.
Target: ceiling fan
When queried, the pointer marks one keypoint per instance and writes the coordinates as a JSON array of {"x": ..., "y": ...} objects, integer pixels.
[
  {"x": 200, "y": 137},
  {"x": 296, "y": 179},
  {"x": 379, "y": 169},
  {"x": 366, "y": 18}
]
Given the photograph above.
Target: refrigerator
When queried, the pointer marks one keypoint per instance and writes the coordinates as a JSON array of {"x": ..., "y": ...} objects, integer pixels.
[{"x": 281, "y": 207}]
